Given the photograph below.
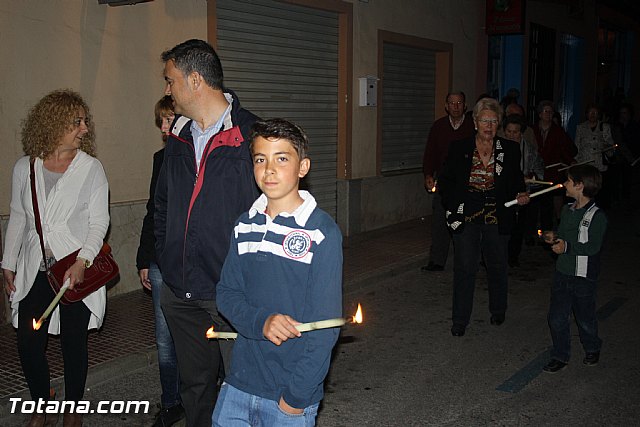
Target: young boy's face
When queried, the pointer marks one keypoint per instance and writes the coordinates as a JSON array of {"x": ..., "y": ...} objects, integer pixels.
[
  {"x": 574, "y": 190},
  {"x": 277, "y": 168}
]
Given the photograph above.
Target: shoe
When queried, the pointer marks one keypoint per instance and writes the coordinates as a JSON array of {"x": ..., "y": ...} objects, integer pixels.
[
  {"x": 43, "y": 420},
  {"x": 497, "y": 319},
  {"x": 458, "y": 330},
  {"x": 591, "y": 359},
  {"x": 554, "y": 366},
  {"x": 169, "y": 416},
  {"x": 37, "y": 420},
  {"x": 432, "y": 267},
  {"x": 71, "y": 420},
  {"x": 52, "y": 420}
]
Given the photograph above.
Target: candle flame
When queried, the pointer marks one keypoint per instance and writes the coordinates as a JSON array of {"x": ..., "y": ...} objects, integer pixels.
[
  {"x": 539, "y": 233},
  {"x": 433, "y": 189},
  {"x": 210, "y": 333},
  {"x": 36, "y": 325},
  {"x": 358, "y": 317}
]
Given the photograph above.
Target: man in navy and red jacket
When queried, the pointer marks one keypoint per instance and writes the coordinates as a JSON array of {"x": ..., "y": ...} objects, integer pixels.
[{"x": 205, "y": 183}]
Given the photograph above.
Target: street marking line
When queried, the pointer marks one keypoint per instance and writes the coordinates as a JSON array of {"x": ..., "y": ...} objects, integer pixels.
[
  {"x": 607, "y": 310},
  {"x": 522, "y": 377}
]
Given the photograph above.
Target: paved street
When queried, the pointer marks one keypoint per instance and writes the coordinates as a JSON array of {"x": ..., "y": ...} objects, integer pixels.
[{"x": 402, "y": 367}]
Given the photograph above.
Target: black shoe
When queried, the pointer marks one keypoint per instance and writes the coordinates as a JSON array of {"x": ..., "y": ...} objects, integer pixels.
[
  {"x": 554, "y": 366},
  {"x": 169, "y": 416},
  {"x": 432, "y": 267},
  {"x": 497, "y": 319},
  {"x": 458, "y": 330},
  {"x": 591, "y": 359}
]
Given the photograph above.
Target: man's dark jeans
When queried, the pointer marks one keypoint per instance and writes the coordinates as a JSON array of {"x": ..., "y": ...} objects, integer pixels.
[
  {"x": 474, "y": 240},
  {"x": 577, "y": 294}
]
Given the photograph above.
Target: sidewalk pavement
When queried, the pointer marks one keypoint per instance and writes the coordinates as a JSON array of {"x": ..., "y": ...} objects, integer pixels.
[{"x": 126, "y": 342}]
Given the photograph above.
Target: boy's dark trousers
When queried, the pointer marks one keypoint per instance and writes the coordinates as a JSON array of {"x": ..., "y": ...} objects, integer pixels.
[{"x": 577, "y": 294}]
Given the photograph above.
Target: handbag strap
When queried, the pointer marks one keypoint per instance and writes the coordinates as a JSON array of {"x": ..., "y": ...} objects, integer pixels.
[{"x": 36, "y": 211}]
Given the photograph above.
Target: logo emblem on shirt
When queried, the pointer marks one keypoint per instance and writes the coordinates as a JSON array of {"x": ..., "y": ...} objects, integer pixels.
[{"x": 296, "y": 244}]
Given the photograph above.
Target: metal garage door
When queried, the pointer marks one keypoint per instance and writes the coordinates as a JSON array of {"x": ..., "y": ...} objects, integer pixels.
[
  {"x": 282, "y": 61},
  {"x": 408, "y": 102}
]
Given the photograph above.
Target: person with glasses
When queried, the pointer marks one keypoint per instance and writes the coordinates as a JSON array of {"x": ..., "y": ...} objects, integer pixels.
[
  {"x": 72, "y": 195},
  {"x": 452, "y": 127},
  {"x": 557, "y": 150},
  {"x": 480, "y": 175}
]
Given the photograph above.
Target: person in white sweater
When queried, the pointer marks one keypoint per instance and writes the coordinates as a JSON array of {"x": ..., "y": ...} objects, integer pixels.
[
  {"x": 72, "y": 194},
  {"x": 592, "y": 138}
]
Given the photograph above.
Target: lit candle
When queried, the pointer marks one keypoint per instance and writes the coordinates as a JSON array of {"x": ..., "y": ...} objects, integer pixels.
[
  {"x": 54, "y": 302},
  {"x": 537, "y": 193},
  {"x": 303, "y": 327}
]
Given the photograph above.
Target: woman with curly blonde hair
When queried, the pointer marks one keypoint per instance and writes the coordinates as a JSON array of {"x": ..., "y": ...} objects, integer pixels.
[{"x": 72, "y": 196}]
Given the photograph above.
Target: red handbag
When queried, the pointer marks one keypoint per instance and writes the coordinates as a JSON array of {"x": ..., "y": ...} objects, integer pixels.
[{"x": 104, "y": 269}]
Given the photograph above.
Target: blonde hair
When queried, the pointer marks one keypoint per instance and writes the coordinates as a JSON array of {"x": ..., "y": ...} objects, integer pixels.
[
  {"x": 50, "y": 119},
  {"x": 487, "y": 104}
]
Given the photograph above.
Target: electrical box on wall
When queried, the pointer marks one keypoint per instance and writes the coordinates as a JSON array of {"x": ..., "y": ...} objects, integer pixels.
[{"x": 368, "y": 91}]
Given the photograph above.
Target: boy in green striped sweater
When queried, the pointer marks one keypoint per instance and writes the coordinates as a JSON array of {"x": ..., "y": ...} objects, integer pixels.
[{"x": 578, "y": 244}]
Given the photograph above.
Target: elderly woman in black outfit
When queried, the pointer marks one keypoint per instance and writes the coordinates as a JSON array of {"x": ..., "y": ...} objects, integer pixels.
[{"x": 481, "y": 174}]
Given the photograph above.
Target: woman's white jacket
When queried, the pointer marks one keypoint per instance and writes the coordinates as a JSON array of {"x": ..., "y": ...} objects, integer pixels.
[{"x": 74, "y": 216}]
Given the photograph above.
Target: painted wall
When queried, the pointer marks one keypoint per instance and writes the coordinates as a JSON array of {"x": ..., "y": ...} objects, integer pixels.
[
  {"x": 389, "y": 200},
  {"x": 111, "y": 55},
  {"x": 451, "y": 21}
]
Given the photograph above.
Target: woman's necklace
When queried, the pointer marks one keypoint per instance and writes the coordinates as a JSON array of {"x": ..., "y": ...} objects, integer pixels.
[{"x": 485, "y": 151}]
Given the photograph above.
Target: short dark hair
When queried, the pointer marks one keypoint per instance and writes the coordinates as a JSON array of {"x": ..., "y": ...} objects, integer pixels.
[
  {"x": 589, "y": 176},
  {"x": 281, "y": 129},
  {"x": 516, "y": 119},
  {"x": 199, "y": 56}
]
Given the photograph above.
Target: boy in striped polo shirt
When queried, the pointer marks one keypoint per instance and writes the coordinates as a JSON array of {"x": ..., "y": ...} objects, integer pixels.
[
  {"x": 578, "y": 244},
  {"x": 284, "y": 267}
]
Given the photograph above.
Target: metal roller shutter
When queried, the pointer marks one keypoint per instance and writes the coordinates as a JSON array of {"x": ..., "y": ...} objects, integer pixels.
[
  {"x": 282, "y": 61},
  {"x": 408, "y": 102}
]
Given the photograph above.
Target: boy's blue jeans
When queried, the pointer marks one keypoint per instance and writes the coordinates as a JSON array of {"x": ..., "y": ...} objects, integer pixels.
[
  {"x": 236, "y": 408},
  {"x": 167, "y": 361},
  {"x": 577, "y": 294}
]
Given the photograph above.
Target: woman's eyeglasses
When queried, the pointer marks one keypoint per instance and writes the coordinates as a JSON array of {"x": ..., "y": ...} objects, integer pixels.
[{"x": 488, "y": 121}]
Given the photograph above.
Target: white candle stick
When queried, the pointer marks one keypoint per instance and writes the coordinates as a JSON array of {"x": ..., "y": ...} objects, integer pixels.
[
  {"x": 608, "y": 148},
  {"x": 537, "y": 193},
  {"x": 303, "y": 327},
  {"x": 554, "y": 165},
  {"x": 536, "y": 181},
  {"x": 576, "y": 164},
  {"x": 54, "y": 302}
]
